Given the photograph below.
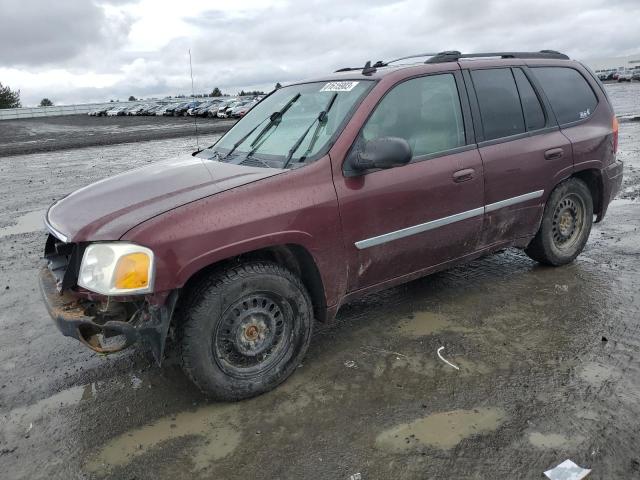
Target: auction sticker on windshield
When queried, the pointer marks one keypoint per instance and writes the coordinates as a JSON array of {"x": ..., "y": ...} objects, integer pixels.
[{"x": 339, "y": 86}]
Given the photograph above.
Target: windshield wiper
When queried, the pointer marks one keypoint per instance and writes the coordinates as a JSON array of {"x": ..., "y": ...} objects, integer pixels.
[
  {"x": 244, "y": 137},
  {"x": 321, "y": 119},
  {"x": 275, "y": 119}
]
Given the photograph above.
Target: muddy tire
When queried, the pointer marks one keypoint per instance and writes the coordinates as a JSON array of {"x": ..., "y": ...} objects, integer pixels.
[
  {"x": 566, "y": 224},
  {"x": 245, "y": 330}
]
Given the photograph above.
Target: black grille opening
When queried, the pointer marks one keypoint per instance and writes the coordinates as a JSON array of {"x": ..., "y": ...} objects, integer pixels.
[{"x": 63, "y": 260}]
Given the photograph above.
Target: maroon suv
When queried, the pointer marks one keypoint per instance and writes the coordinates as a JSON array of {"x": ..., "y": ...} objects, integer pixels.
[{"x": 325, "y": 191}]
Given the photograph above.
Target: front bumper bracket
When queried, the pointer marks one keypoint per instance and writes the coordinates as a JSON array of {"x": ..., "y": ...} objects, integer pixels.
[{"x": 69, "y": 315}]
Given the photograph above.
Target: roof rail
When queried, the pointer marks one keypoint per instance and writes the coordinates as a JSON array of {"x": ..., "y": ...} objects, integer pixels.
[{"x": 454, "y": 55}]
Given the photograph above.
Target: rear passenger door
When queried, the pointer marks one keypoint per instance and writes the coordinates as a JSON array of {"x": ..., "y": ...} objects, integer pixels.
[
  {"x": 524, "y": 154},
  {"x": 583, "y": 120}
]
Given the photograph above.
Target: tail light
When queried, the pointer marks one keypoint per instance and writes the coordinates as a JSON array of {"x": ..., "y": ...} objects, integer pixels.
[{"x": 616, "y": 127}]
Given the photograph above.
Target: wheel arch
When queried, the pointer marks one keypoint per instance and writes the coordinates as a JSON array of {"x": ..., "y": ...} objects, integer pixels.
[
  {"x": 593, "y": 179},
  {"x": 293, "y": 257}
]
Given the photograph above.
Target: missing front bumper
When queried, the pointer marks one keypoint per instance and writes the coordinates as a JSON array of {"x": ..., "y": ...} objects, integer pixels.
[{"x": 69, "y": 314}]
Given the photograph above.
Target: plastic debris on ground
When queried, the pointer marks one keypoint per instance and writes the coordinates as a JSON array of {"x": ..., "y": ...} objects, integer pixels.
[
  {"x": 567, "y": 470},
  {"x": 446, "y": 361}
]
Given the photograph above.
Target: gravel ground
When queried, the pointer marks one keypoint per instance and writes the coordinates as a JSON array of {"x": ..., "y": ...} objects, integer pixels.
[{"x": 549, "y": 364}]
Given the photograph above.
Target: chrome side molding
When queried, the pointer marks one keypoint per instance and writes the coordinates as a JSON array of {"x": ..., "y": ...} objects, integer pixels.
[{"x": 441, "y": 222}]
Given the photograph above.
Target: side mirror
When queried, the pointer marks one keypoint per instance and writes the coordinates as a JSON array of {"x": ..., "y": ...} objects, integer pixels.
[{"x": 385, "y": 152}]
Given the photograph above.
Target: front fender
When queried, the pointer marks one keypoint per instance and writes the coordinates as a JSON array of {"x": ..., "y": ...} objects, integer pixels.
[
  {"x": 299, "y": 207},
  {"x": 245, "y": 246}
]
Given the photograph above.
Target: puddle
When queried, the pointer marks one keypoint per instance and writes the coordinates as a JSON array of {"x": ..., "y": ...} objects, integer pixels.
[
  {"x": 30, "y": 222},
  {"x": 214, "y": 424},
  {"x": 18, "y": 420},
  {"x": 216, "y": 429},
  {"x": 441, "y": 430},
  {"x": 427, "y": 323},
  {"x": 553, "y": 440}
]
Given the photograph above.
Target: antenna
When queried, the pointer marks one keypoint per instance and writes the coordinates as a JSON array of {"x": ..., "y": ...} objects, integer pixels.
[{"x": 195, "y": 117}]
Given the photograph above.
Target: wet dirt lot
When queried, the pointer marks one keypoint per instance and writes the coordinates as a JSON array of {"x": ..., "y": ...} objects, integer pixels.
[
  {"x": 44, "y": 134},
  {"x": 549, "y": 365}
]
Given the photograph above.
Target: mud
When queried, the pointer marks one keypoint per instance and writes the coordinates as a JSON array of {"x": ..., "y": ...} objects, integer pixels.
[{"x": 549, "y": 366}]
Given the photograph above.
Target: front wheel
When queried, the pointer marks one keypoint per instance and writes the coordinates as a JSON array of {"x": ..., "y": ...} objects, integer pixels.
[
  {"x": 566, "y": 224},
  {"x": 245, "y": 330}
]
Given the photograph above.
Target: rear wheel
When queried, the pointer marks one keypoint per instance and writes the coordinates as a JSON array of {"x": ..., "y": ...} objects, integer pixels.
[
  {"x": 245, "y": 330},
  {"x": 566, "y": 224}
]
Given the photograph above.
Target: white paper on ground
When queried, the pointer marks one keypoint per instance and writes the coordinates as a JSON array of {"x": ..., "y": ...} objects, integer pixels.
[{"x": 567, "y": 470}]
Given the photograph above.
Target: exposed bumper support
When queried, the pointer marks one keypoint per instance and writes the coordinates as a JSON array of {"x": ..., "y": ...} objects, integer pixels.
[{"x": 69, "y": 315}]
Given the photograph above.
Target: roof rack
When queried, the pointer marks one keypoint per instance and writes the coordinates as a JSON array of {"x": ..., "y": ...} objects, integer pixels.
[{"x": 454, "y": 55}]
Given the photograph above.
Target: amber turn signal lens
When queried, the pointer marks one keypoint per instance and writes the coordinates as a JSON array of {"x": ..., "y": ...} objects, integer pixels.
[{"x": 132, "y": 271}]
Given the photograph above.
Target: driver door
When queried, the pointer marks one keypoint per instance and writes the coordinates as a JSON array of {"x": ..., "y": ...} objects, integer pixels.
[{"x": 406, "y": 219}]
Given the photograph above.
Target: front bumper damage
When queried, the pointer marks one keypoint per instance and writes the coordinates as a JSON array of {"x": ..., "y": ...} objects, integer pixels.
[{"x": 95, "y": 325}]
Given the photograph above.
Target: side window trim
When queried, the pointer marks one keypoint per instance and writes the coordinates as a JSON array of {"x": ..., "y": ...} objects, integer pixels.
[
  {"x": 467, "y": 121},
  {"x": 524, "y": 115},
  {"x": 465, "y": 103},
  {"x": 552, "y": 120},
  {"x": 475, "y": 108}
]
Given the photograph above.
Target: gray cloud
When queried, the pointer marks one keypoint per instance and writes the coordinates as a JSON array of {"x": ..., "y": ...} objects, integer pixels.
[
  {"x": 235, "y": 49},
  {"x": 38, "y": 33}
]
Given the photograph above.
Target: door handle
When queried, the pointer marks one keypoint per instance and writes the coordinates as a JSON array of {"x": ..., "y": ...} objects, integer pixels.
[
  {"x": 463, "y": 175},
  {"x": 554, "y": 154}
]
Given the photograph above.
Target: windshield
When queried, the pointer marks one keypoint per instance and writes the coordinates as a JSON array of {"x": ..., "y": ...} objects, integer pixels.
[{"x": 290, "y": 118}]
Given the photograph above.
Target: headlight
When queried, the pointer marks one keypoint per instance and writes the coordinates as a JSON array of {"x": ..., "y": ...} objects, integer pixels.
[{"x": 117, "y": 269}]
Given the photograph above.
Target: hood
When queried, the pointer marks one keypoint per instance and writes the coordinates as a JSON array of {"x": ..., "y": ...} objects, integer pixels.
[{"x": 107, "y": 209}]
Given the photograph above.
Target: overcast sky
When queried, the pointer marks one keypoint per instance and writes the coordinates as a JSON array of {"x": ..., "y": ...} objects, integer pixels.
[{"x": 94, "y": 50}]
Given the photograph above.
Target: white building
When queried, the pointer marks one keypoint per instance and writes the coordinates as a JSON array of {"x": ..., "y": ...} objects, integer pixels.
[{"x": 614, "y": 64}]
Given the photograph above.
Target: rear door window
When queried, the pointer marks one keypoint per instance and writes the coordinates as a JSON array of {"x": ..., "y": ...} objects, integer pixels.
[
  {"x": 424, "y": 111},
  {"x": 570, "y": 95},
  {"x": 499, "y": 102},
  {"x": 531, "y": 106}
]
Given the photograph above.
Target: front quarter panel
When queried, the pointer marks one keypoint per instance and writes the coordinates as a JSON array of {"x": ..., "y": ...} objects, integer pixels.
[{"x": 297, "y": 207}]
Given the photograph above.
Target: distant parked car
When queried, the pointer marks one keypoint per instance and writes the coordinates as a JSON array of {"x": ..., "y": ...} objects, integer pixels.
[
  {"x": 191, "y": 111},
  {"x": 224, "y": 112},
  {"x": 172, "y": 108},
  {"x": 152, "y": 109},
  {"x": 182, "y": 109},
  {"x": 212, "y": 111},
  {"x": 166, "y": 108},
  {"x": 636, "y": 75},
  {"x": 241, "y": 110},
  {"x": 133, "y": 110},
  {"x": 116, "y": 111},
  {"x": 99, "y": 112},
  {"x": 202, "y": 109},
  {"x": 624, "y": 77}
]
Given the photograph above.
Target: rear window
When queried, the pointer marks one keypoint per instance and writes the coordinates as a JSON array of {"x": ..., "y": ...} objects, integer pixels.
[
  {"x": 570, "y": 95},
  {"x": 499, "y": 103}
]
